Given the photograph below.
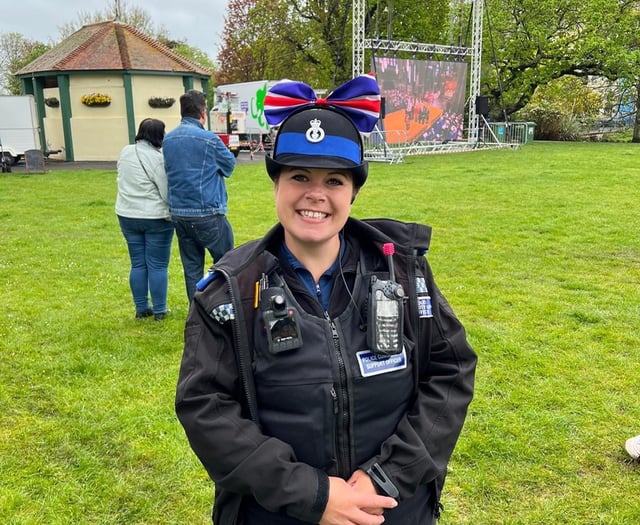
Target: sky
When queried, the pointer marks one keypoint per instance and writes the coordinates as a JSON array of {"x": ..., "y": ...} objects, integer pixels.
[{"x": 198, "y": 22}]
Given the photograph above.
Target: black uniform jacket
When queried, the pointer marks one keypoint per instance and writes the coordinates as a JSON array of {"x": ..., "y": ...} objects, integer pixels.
[{"x": 235, "y": 416}]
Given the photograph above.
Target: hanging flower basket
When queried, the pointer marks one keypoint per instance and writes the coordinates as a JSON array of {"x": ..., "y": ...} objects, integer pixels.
[
  {"x": 52, "y": 102},
  {"x": 96, "y": 100},
  {"x": 161, "y": 102}
]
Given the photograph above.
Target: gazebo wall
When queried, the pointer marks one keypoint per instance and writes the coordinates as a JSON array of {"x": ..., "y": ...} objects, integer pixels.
[
  {"x": 100, "y": 133},
  {"x": 146, "y": 86},
  {"x": 52, "y": 122}
]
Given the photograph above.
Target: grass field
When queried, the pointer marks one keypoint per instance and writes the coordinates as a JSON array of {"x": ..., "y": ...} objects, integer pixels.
[{"x": 537, "y": 250}]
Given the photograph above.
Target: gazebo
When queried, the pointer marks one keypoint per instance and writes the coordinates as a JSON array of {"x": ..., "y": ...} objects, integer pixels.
[{"x": 93, "y": 89}]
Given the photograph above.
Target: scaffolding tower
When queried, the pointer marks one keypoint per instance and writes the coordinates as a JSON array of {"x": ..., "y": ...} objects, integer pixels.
[{"x": 473, "y": 54}]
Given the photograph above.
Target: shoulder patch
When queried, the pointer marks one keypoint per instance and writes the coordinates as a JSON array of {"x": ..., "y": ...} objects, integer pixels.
[
  {"x": 421, "y": 285},
  {"x": 424, "y": 299},
  {"x": 223, "y": 313}
]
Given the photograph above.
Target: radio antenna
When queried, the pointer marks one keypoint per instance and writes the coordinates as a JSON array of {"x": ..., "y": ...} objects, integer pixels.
[{"x": 388, "y": 249}]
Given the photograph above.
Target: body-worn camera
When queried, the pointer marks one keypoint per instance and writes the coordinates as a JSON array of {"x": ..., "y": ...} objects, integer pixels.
[
  {"x": 280, "y": 321},
  {"x": 386, "y": 317}
]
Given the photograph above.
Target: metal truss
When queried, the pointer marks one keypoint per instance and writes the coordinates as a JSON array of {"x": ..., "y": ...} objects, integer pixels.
[
  {"x": 396, "y": 154},
  {"x": 473, "y": 53},
  {"x": 476, "y": 69},
  {"x": 358, "y": 47},
  {"x": 415, "y": 47}
]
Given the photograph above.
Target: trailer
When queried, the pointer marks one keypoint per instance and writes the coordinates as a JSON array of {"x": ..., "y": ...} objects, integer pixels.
[
  {"x": 231, "y": 141},
  {"x": 19, "y": 129},
  {"x": 239, "y": 110}
]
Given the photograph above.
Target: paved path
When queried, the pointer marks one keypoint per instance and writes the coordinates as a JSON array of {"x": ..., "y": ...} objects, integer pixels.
[{"x": 57, "y": 165}]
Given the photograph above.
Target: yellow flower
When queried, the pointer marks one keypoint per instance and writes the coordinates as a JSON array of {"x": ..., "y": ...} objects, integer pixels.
[{"x": 96, "y": 99}]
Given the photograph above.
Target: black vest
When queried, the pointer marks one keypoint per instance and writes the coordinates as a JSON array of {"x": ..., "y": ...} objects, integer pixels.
[{"x": 331, "y": 399}]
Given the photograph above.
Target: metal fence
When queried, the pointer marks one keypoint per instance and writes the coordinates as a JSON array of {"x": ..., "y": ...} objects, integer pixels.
[
  {"x": 507, "y": 132},
  {"x": 393, "y": 146}
]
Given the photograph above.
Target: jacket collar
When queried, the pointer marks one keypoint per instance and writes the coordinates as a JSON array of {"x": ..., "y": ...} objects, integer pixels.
[{"x": 191, "y": 122}]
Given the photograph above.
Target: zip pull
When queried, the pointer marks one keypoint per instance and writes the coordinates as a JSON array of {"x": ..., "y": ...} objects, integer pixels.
[{"x": 334, "y": 399}]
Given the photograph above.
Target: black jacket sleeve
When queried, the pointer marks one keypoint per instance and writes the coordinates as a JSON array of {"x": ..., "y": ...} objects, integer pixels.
[{"x": 237, "y": 456}]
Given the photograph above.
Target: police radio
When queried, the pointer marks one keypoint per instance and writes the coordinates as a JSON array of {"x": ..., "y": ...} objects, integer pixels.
[
  {"x": 386, "y": 312},
  {"x": 280, "y": 321}
]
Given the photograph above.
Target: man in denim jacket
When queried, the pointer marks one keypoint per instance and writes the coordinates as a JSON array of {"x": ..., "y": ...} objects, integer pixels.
[{"x": 197, "y": 163}]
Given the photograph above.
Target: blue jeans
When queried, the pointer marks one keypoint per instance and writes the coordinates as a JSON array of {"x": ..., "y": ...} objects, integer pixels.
[
  {"x": 195, "y": 234},
  {"x": 149, "y": 243}
]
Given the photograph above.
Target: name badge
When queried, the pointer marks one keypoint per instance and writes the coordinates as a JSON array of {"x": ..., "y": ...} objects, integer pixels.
[{"x": 372, "y": 364}]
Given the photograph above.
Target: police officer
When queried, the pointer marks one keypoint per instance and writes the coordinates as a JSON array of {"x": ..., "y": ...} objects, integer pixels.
[{"x": 325, "y": 379}]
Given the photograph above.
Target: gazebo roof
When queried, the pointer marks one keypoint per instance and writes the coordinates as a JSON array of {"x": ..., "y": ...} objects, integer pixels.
[{"x": 111, "y": 45}]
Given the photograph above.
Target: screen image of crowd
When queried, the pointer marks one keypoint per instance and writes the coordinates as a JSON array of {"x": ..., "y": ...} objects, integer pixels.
[{"x": 424, "y": 99}]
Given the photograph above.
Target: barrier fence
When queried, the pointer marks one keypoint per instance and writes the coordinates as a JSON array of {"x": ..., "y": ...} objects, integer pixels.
[
  {"x": 392, "y": 146},
  {"x": 507, "y": 132}
]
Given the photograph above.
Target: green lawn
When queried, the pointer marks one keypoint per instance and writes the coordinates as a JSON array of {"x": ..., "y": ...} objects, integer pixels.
[{"x": 537, "y": 250}]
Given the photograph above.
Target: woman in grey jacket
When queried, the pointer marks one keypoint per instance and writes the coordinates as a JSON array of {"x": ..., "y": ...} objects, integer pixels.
[
  {"x": 143, "y": 214},
  {"x": 325, "y": 378}
]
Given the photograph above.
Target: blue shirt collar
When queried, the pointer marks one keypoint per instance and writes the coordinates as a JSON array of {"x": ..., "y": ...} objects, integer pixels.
[{"x": 321, "y": 290}]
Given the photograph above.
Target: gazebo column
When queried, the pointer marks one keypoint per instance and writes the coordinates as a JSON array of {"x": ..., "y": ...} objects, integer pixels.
[
  {"x": 65, "y": 108},
  {"x": 128, "y": 98}
]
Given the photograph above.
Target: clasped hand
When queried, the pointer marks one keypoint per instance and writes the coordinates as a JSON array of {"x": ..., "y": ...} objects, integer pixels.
[{"x": 355, "y": 502}]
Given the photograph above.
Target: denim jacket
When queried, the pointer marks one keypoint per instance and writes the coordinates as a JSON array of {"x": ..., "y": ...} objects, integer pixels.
[{"x": 196, "y": 163}]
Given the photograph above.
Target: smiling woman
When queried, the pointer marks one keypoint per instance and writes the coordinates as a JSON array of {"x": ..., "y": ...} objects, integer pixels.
[
  {"x": 313, "y": 205},
  {"x": 327, "y": 351}
]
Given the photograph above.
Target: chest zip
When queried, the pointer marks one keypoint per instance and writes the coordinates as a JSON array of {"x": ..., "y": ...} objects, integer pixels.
[{"x": 341, "y": 407}]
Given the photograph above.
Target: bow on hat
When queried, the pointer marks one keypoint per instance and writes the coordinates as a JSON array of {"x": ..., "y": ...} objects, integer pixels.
[{"x": 359, "y": 98}]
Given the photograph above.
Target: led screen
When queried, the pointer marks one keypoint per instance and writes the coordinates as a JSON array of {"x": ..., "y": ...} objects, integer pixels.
[{"x": 424, "y": 99}]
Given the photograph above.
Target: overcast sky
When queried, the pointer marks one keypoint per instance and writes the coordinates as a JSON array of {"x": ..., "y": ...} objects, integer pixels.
[{"x": 198, "y": 22}]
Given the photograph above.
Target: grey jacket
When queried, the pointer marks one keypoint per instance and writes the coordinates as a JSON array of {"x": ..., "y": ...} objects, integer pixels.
[{"x": 142, "y": 194}]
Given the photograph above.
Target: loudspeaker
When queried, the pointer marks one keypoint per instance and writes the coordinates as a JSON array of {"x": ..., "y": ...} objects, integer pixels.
[{"x": 482, "y": 105}]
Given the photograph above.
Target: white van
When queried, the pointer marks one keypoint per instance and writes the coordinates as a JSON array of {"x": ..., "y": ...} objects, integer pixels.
[{"x": 19, "y": 130}]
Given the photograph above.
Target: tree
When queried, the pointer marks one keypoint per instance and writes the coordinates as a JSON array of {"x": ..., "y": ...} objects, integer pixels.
[
  {"x": 629, "y": 57},
  {"x": 311, "y": 40},
  {"x": 284, "y": 44},
  {"x": 140, "y": 19},
  {"x": 562, "y": 108},
  {"x": 529, "y": 43},
  {"x": 408, "y": 20},
  {"x": 272, "y": 51},
  {"x": 195, "y": 55},
  {"x": 539, "y": 41},
  {"x": 15, "y": 52},
  {"x": 322, "y": 31},
  {"x": 119, "y": 10},
  {"x": 236, "y": 57}
]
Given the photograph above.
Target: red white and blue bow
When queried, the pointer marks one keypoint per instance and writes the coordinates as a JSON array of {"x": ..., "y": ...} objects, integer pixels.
[{"x": 359, "y": 98}]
